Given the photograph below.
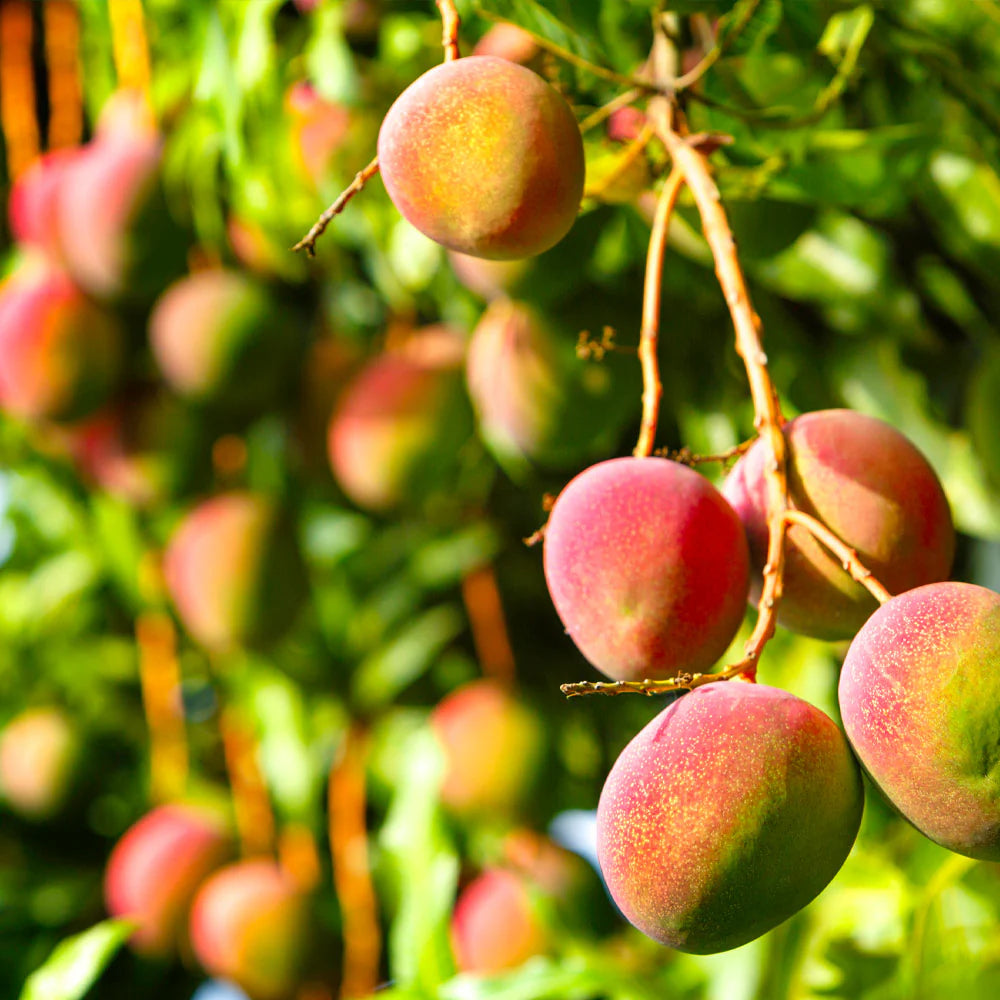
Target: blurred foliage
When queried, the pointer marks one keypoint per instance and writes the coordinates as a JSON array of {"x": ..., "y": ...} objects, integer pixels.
[{"x": 863, "y": 183}]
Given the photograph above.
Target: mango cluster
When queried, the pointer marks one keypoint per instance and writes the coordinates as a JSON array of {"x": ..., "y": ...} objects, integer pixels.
[
  {"x": 173, "y": 873},
  {"x": 739, "y": 802}
]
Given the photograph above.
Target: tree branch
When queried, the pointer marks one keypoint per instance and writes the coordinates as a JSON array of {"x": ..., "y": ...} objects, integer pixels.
[
  {"x": 848, "y": 557},
  {"x": 649, "y": 333},
  {"x": 308, "y": 242}
]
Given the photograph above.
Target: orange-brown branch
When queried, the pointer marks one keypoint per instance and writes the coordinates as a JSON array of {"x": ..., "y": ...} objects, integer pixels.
[
  {"x": 450, "y": 23},
  {"x": 160, "y": 679},
  {"x": 351, "y": 872},
  {"x": 767, "y": 413},
  {"x": 361, "y": 178},
  {"x": 649, "y": 333},
  {"x": 129, "y": 46},
  {"x": 251, "y": 803},
  {"x": 848, "y": 557},
  {"x": 489, "y": 627},
  {"x": 17, "y": 86},
  {"x": 62, "y": 43}
]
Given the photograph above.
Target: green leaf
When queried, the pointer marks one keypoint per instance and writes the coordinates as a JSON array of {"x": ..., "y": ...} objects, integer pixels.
[
  {"x": 424, "y": 868},
  {"x": 543, "y": 24},
  {"x": 385, "y": 673},
  {"x": 76, "y": 963},
  {"x": 328, "y": 58},
  {"x": 749, "y": 24}
]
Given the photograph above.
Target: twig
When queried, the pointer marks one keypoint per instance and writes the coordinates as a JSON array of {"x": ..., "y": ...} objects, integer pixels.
[
  {"x": 160, "y": 679},
  {"x": 361, "y": 178},
  {"x": 686, "y": 457},
  {"x": 712, "y": 56},
  {"x": 604, "y": 112},
  {"x": 351, "y": 874},
  {"x": 768, "y": 419},
  {"x": 848, "y": 557},
  {"x": 649, "y": 688},
  {"x": 251, "y": 804},
  {"x": 450, "y": 23},
  {"x": 649, "y": 332},
  {"x": 481, "y": 596}
]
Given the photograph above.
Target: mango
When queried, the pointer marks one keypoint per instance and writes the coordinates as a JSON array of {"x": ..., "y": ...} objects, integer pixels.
[
  {"x": 730, "y": 811},
  {"x": 155, "y": 869},
  {"x": 250, "y": 923},
  {"x": 492, "y": 744},
  {"x": 920, "y": 699},
  {"x": 647, "y": 567},
  {"x": 875, "y": 490},
  {"x": 234, "y": 572},
  {"x": 484, "y": 157},
  {"x": 60, "y": 353}
]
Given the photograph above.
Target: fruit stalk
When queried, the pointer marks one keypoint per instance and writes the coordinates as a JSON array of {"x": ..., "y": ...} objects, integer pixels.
[
  {"x": 847, "y": 556},
  {"x": 481, "y": 597},
  {"x": 160, "y": 678},
  {"x": 361, "y": 178},
  {"x": 450, "y": 23},
  {"x": 351, "y": 873},
  {"x": 649, "y": 333},
  {"x": 768, "y": 418},
  {"x": 251, "y": 805}
]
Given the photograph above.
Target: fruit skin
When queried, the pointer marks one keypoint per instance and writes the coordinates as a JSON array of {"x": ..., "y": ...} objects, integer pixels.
[
  {"x": 39, "y": 751},
  {"x": 726, "y": 814},
  {"x": 319, "y": 128},
  {"x": 220, "y": 339},
  {"x": 116, "y": 238},
  {"x": 397, "y": 418},
  {"x": 508, "y": 41},
  {"x": 234, "y": 571},
  {"x": 155, "y": 869},
  {"x": 34, "y": 200},
  {"x": 484, "y": 157},
  {"x": 875, "y": 490},
  {"x": 492, "y": 744},
  {"x": 920, "y": 698},
  {"x": 495, "y": 926},
  {"x": 60, "y": 354},
  {"x": 535, "y": 401},
  {"x": 250, "y": 923},
  {"x": 647, "y": 566}
]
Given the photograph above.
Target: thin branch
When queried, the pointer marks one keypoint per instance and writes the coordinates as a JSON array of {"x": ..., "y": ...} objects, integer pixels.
[
  {"x": 649, "y": 333},
  {"x": 848, "y": 557},
  {"x": 351, "y": 872},
  {"x": 450, "y": 23},
  {"x": 481, "y": 597},
  {"x": 251, "y": 803},
  {"x": 714, "y": 54},
  {"x": 605, "y": 111},
  {"x": 686, "y": 457},
  {"x": 649, "y": 688},
  {"x": 768, "y": 419},
  {"x": 160, "y": 678},
  {"x": 308, "y": 242}
]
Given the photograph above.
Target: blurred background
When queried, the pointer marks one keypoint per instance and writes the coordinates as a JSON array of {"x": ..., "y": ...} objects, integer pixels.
[{"x": 269, "y": 632}]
